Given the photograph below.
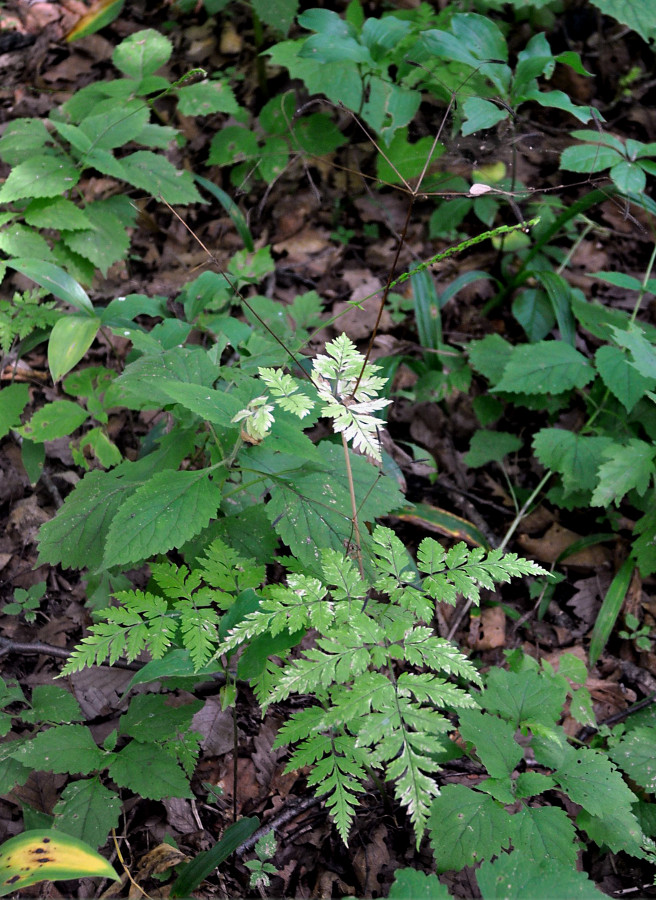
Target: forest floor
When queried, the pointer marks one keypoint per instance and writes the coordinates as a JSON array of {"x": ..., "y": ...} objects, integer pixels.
[{"x": 333, "y": 231}]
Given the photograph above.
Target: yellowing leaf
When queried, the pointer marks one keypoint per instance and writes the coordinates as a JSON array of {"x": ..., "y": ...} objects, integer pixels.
[{"x": 48, "y": 856}]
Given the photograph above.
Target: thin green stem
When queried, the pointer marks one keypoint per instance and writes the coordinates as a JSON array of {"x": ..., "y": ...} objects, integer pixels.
[
  {"x": 522, "y": 512},
  {"x": 354, "y": 505},
  {"x": 572, "y": 250},
  {"x": 643, "y": 286}
]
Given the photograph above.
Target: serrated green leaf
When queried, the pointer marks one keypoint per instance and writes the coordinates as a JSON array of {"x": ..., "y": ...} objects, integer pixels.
[
  {"x": 115, "y": 127},
  {"x": 513, "y": 877},
  {"x": 56, "y": 212},
  {"x": 490, "y": 446},
  {"x": 87, "y": 810},
  {"x": 141, "y": 379},
  {"x": 635, "y": 756},
  {"x": 318, "y": 503},
  {"x": 40, "y": 176},
  {"x": 340, "y": 82},
  {"x": 622, "y": 379},
  {"x": 13, "y": 400},
  {"x": 206, "y": 98},
  {"x": 465, "y": 827},
  {"x": 76, "y": 536},
  {"x": 21, "y": 138},
  {"x": 545, "y": 832},
  {"x": 142, "y": 53},
  {"x": 19, "y": 240},
  {"x": 630, "y": 466},
  {"x": 153, "y": 173},
  {"x": 105, "y": 242},
  {"x": 590, "y": 779},
  {"x": 54, "y": 704},
  {"x": 57, "y": 419},
  {"x": 149, "y": 771},
  {"x": 522, "y": 698},
  {"x": 218, "y": 407},
  {"x": 529, "y": 784},
  {"x": 163, "y": 513},
  {"x": 150, "y": 718},
  {"x": 490, "y": 356},
  {"x": 548, "y": 367},
  {"x": 278, "y": 14},
  {"x": 410, "y": 884},
  {"x": 576, "y": 457},
  {"x": 494, "y": 740},
  {"x": 633, "y": 338},
  {"x": 64, "y": 748},
  {"x": 618, "y": 829},
  {"x": 12, "y": 774}
]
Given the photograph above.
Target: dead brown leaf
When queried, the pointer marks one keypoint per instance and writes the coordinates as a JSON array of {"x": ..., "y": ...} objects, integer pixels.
[{"x": 556, "y": 541}]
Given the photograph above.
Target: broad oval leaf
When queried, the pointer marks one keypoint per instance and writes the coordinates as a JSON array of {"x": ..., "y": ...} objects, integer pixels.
[
  {"x": 48, "y": 855},
  {"x": 142, "y": 53},
  {"x": 55, "y": 280},
  {"x": 70, "y": 339}
]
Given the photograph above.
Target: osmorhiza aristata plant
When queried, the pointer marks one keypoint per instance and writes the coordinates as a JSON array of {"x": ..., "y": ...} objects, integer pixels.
[{"x": 381, "y": 682}]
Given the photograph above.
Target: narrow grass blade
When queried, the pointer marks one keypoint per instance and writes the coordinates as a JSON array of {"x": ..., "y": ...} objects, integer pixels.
[
  {"x": 610, "y": 609},
  {"x": 232, "y": 209},
  {"x": 209, "y": 860},
  {"x": 427, "y": 314}
]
